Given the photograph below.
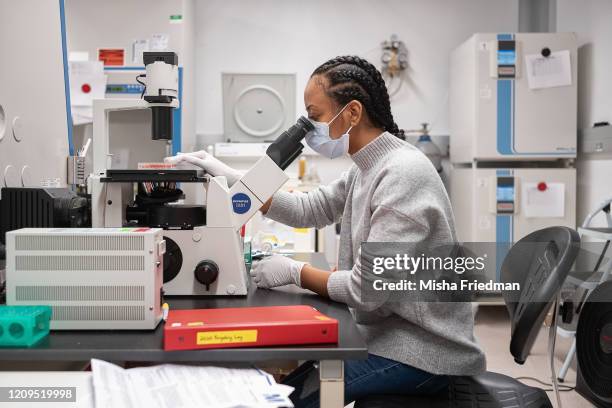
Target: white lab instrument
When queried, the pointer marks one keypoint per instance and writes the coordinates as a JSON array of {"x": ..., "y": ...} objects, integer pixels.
[
  {"x": 130, "y": 130},
  {"x": 504, "y": 205},
  {"x": 205, "y": 255},
  {"x": 513, "y": 144},
  {"x": 494, "y": 112},
  {"x": 160, "y": 95},
  {"x": 92, "y": 278}
]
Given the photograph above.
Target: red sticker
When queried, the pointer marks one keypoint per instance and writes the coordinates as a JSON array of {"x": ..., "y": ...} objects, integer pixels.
[{"x": 112, "y": 56}]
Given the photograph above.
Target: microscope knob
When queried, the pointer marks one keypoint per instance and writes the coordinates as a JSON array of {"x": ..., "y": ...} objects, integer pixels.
[{"x": 206, "y": 272}]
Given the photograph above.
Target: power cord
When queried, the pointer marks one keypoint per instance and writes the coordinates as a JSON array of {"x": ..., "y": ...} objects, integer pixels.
[
  {"x": 105, "y": 203},
  {"x": 142, "y": 83},
  {"x": 562, "y": 387},
  {"x": 2, "y": 274}
]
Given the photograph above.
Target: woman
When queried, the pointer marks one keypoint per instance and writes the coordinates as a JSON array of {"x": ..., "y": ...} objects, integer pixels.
[{"x": 391, "y": 193}]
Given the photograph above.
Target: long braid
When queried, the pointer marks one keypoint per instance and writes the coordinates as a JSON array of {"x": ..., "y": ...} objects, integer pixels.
[{"x": 353, "y": 78}]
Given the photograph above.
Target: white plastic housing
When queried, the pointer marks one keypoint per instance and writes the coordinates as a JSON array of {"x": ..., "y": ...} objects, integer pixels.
[
  {"x": 93, "y": 278},
  {"x": 162, "y": 79}
]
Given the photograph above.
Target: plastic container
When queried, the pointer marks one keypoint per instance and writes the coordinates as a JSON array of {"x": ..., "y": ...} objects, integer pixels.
[{"x": 23, "y": 326}]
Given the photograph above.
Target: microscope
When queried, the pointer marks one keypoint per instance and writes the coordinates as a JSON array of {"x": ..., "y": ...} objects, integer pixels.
[{"x": 204, "y": 248}]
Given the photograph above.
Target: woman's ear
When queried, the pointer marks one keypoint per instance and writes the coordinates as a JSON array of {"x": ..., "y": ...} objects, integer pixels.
[{"x": 355, "y": 109}]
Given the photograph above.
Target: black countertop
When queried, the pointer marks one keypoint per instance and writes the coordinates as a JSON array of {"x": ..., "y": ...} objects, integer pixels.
[{"x": 121, "y": 345}]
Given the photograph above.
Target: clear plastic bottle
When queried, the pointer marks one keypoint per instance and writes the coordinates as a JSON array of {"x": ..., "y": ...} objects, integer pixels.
[{"x": 429, "y": 148}]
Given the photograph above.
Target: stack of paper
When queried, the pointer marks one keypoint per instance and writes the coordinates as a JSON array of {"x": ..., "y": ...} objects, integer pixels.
[
  {"x": 178, "y": 386},
  {"x": 549, "y": 72}
]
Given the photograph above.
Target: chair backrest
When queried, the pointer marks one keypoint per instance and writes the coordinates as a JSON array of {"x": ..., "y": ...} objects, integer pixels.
[{"x": 540, "y": 263}]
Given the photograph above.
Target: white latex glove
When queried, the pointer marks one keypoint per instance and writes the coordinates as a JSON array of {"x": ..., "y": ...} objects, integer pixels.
[
  {"x": 277, "y": 270},
  {"x": 208, "y": 163}
]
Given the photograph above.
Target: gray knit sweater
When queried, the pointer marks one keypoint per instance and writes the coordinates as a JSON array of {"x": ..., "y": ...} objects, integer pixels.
[{"x": 392, "y": 193}]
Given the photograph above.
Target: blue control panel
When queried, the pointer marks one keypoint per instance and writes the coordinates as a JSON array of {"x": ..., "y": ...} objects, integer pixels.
[
  {"x": 124, "y": 88},
  {"x": 505, "y": 195},
  {"x": 506, "y": 57}
]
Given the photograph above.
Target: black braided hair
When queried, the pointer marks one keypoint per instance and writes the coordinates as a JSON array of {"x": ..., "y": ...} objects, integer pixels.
[{"x": 353, "y": 78}]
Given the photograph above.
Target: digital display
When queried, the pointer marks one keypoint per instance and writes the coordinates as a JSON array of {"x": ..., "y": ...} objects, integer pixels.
[
  {"x": 505, "y": 193},
  {"x": 124, "y": 88},
  {"x": 506, "y": 57}
]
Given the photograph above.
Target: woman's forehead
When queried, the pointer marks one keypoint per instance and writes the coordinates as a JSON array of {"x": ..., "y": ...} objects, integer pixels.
[{"x": 315, "y": 95}]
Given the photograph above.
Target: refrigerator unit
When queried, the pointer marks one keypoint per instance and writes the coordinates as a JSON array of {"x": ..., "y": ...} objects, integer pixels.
[{"x": 513, "y": 121}]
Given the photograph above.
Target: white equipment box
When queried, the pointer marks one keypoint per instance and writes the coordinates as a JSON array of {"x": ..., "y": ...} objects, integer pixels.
[
  {"x": 514, "y": 96},
  {"x": 504, "y": 205},
  {"x": 93, "y": 278}
]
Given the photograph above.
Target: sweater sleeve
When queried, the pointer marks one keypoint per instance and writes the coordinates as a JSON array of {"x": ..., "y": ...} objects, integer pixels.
[{"x": 317, "y": 208}]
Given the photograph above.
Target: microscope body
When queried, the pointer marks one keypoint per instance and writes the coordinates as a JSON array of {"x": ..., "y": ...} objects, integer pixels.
[
  {"x": 202, "y": 257},
  {"x": 213, "y": 254}
]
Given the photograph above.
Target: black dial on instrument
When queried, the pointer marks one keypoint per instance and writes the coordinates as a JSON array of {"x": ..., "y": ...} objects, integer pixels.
[
  {"x": 206, "y": 272},
  {"x": 173, "y": 260}
]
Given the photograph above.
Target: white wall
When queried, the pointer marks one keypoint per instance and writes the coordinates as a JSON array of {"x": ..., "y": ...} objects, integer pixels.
[
  {"x": 592, "y": 21},
  {"x": 297, "y": 36},
  {"x": 93, "y": 24}
]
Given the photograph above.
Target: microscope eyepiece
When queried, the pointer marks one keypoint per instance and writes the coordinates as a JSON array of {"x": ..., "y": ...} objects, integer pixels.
[
  {"x": 288, "y": 146},
  {"x": 304, "y": 124},
  {"x": 162, "y": 122}
]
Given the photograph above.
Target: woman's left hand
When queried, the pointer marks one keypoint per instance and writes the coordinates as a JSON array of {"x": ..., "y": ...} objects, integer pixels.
[{"x": 276, "y": 270}]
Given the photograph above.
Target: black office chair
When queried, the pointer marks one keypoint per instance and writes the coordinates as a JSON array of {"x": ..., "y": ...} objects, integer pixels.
[{"x": 540, "y": 262}]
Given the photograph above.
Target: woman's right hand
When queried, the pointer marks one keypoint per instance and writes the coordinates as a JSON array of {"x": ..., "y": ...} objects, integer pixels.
[{"x": 208, "y": 163}]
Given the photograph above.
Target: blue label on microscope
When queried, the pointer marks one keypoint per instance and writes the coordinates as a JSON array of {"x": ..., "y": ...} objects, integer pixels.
[{"x": 241, "y": 203}]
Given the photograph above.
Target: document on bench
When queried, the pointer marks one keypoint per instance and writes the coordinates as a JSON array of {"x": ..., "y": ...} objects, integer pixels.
[{"x": 176, "y": 386}]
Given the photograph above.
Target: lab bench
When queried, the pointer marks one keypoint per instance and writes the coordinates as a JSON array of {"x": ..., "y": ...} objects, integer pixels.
[{"x": 146, "y": 346}]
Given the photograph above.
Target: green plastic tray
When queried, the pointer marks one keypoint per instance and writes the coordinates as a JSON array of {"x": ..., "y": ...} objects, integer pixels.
[{"x": 23, "y": 326}]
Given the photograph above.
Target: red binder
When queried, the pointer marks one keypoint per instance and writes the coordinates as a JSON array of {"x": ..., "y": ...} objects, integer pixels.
[{"x": 248, "y": 327}]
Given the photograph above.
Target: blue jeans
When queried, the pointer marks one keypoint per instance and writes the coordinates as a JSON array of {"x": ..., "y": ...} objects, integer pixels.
[{"x": 376, "y": 375}]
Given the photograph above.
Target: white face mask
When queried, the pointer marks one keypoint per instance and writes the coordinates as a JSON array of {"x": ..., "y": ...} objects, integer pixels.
[{"x": 320, "y": 141}]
